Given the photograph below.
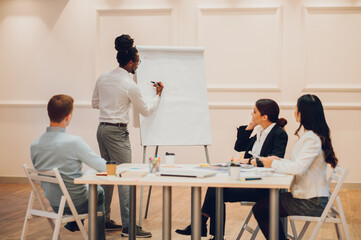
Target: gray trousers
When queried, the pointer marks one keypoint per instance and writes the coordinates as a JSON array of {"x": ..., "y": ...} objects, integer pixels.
[{"x": 114, "y": 145}]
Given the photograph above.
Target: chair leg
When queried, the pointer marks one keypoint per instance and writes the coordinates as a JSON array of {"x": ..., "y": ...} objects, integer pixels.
[
  {"x": 343, "y": 219},
  {"x": 25, "y": 228},
  {"x": 82, "y": 229},
  {"x": 244, "y": 225},
  {"x": 338, "y": 231},
  {"x": 58, "y": 221},
  {"x": 254, "y": 235},
  {"x": 294, "y": 230},
  {"x": 27, "y": 216},
  {"x": 57, "y": 229},
  {"x": 303, "y": 231},
  {"x": 316, "y": 230}
]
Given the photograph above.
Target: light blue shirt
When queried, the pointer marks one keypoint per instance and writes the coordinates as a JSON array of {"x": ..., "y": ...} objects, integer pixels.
[{"x": 56, "y": 149}]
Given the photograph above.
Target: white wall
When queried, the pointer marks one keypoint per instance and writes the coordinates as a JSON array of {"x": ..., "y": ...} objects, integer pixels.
[{"x": 254, "y": 49}]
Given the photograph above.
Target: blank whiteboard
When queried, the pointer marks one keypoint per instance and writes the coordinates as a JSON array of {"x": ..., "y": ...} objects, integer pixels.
[{"x": 182, "y": 116}]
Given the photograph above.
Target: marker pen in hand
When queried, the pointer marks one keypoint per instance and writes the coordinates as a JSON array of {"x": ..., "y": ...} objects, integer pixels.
[{"x": 158, "y": 83}]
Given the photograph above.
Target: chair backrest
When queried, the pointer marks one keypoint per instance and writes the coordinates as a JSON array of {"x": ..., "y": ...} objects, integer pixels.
[
  {"x": 338, "y": 175},
  {"x": 51, "y": 176}
]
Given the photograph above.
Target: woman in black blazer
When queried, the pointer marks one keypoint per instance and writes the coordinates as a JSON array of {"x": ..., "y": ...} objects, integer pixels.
[{"x": 269, "y": 140}]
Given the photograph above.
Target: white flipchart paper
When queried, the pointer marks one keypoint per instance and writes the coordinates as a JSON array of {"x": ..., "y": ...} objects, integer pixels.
[{"x": 182, "y": 117}]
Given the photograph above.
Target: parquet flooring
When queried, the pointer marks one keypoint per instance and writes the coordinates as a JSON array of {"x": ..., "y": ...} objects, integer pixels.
[{"x": 14, "y": 200}]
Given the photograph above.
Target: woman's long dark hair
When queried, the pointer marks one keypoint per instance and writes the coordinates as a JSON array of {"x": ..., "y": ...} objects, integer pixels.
[
  {"x": 271, "y": 109},
  {"x": 313, "y": 118},
  {"x": 126, "y": 50}
]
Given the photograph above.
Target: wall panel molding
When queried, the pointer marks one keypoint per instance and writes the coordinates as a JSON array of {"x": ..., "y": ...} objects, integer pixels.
[
  {"x": 38, "y": 104},
  {"x": 283, "y": 105},
  {"x": 212, "y": 105},
  {"x": 248, "y": 9},
  {"x": 242, "y": 88},
  {"x": 171, "y": 12},
  {"x": 332, "y": 88},
  {"x": 329, "y": 8}
]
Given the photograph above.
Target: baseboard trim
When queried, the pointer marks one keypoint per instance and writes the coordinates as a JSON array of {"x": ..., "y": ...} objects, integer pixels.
[
  {"x": 348, "y": 186},
  {"x": 14, "y": 180}
]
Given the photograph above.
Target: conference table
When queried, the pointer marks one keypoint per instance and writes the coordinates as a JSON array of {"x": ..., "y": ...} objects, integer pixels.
[{"x": 274, "y": 182}]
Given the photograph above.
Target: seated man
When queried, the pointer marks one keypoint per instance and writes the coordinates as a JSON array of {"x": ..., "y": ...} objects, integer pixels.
[{"x": 56, "y": 149}]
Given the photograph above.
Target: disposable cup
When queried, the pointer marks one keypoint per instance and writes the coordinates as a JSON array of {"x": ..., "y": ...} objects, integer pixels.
[
  {"x": 111, "y": 168},
  {"x": 235, "y": 173},
  {"x": 170, "y": 159}
]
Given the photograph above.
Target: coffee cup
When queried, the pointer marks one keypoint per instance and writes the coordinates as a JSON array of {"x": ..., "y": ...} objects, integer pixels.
[
  {"x": 169, "y": 158},
  {"x": 111, "y": 168},
  {"x": 235, "y": 173}
]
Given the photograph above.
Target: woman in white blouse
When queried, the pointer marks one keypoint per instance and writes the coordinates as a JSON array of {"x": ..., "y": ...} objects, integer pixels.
[{"x": 309, "y": 191}]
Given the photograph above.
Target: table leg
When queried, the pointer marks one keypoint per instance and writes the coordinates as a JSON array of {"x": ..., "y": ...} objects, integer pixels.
[
  {"x": 273, "y": 218},
  {"x": 93, "y": 200},
  {"x": 219, "y": 214},
  {"x": 132, "y": 211},
  {"x": 284, "y": 220},
  {"x": 196, "y": 213},
  {"x": 167, "y": 212}
]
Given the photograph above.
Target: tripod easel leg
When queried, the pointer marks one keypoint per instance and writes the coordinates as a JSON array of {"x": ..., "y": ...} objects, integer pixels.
[
  {"x": 150, "y": 190},
  {"x": 207, "y": 155},
  {"x": 141, "y": 191},
  {"x": 150, "y": 187}
]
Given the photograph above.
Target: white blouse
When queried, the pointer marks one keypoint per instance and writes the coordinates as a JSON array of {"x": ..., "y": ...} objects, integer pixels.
[
  {"x": 309, "y": 167},
  {"x": 261, "y": 137}
]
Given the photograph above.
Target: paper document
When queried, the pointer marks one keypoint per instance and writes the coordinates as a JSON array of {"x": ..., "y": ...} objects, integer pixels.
[{"x": 257, "y": 172}]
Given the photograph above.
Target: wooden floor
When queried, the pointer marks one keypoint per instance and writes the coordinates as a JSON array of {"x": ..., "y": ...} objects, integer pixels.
[{"x": 14, "y": 199}]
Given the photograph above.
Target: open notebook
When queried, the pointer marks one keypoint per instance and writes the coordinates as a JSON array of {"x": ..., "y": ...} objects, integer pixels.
[{"x": 186, "y": 173}]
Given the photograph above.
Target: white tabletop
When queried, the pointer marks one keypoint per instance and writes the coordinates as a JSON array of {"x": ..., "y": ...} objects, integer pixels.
[{"x": 220, "y": 180}]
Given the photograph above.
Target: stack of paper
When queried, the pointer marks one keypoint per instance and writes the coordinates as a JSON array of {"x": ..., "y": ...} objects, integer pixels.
[
  {"x": 257, "y": 172},
  {"x": 133, "y": 174}
]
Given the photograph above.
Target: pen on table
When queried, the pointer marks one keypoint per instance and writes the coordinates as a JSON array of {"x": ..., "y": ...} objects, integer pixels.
[
  {"x": 157, "y": 164},
  {"x": 249, "y": 179},
  {"x": 204, "y": 165}
]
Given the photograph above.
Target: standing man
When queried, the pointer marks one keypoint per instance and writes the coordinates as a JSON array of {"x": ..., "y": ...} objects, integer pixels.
[
  {"x": 114, "y": 91},
  {"x": 56, "y": 149}
]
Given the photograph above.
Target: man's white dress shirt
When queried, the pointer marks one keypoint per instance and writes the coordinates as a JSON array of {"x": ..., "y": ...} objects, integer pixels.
[{"x": 114, "y": 91}]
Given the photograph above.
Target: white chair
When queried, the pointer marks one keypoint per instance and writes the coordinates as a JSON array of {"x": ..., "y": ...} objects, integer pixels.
[
  {"x": 245, "y": 226},
  {"x": 330, "y": 214},
  {"x": 55, "y": 219}
]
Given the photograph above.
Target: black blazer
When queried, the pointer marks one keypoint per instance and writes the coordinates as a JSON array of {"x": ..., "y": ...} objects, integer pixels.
[{"x": 274, "y": 144}]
